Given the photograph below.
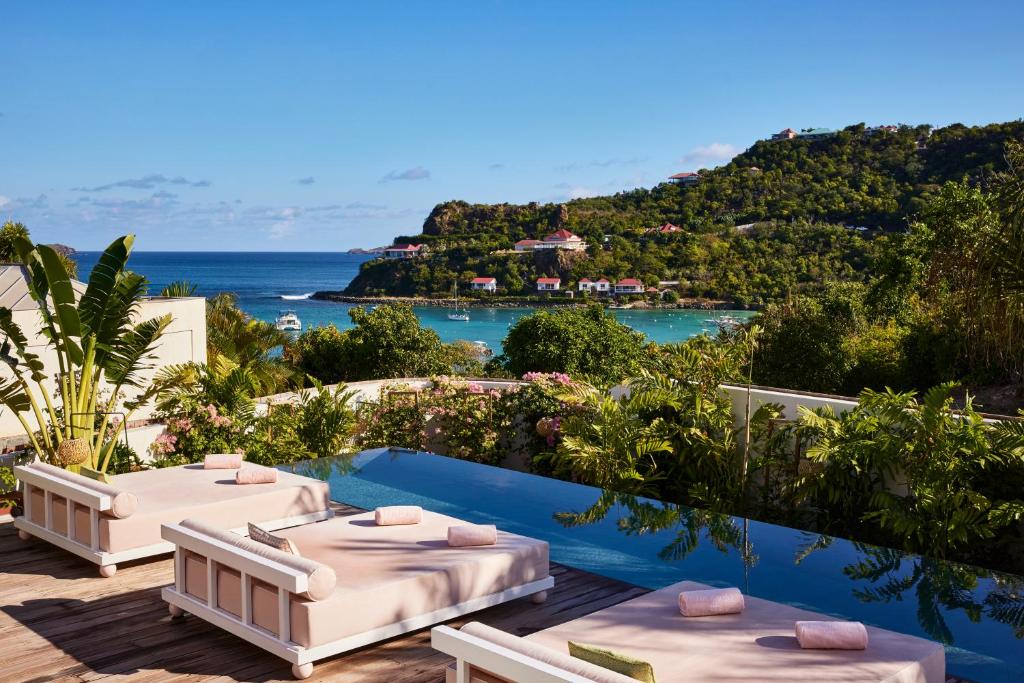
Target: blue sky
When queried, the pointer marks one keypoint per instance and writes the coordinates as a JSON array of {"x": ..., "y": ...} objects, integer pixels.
[{"x": 323, "y": 126}]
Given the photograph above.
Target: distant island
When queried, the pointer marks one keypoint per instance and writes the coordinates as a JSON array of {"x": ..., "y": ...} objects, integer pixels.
[
  {"x": 793, "y": 211},
  {"x": 372, "y": 250}
]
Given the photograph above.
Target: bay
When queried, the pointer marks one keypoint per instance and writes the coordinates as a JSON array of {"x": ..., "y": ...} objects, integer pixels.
[{"x": 268, "y": 282}]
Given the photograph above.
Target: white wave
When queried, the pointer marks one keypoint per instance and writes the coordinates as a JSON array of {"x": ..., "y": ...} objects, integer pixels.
[{"x": 296, "y": 297}]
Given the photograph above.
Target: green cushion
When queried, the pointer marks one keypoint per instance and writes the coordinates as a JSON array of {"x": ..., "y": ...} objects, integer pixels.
[{"x": 619, "y": 663}]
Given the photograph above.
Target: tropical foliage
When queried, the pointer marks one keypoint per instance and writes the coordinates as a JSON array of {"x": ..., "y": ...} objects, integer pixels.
[
  {"x": 587, "y": 342},
  {"x": 247, "y": 342},
  {"x": 101, "y": 354}
]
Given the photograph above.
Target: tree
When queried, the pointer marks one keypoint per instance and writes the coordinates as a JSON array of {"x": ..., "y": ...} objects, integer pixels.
[
  {"x": 11, "y": 232},
  {"x": 387, "y": 341},
  {"x": 246, "y": 342},
  {"x": 588, "y": 342},
  {"x": 100, "y": 352}
]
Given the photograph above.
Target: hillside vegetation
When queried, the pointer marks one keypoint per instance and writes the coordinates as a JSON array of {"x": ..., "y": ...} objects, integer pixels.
[{"x": 802, "y": 196}]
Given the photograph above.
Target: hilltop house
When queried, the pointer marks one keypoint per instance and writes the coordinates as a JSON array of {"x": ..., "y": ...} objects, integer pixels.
[
  {"x": 484, "y": 284},
  {"x": 666, "y": 229},
  {"x": 787, "y": 134},
  {"x": 684, "y": 179},
  {"x": 549, "y": 284},
  {"x": 403, "y": 251},
  {"x": 629, "y": 286},
  {"x": 526, "y": 245},
  {"x": 562, "y": 239},
  {"x": 816, "y": 133}
]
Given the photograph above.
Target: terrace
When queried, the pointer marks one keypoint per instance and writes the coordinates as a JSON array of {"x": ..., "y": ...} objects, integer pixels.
[{"x": 60, "y": 622}]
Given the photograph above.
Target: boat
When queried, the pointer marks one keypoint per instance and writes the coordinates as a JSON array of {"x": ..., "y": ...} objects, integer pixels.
[
  {"x": 724, "y": 322},
  {"x": 457, "y": 313},
  {"x": 287, "y": 321}
]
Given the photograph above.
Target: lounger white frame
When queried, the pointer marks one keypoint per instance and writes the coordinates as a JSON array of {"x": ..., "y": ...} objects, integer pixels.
[
  {"x": 97, "y": 503},
  {"x": 289, "y": 581},
  {"x": 471, "y": 652}
]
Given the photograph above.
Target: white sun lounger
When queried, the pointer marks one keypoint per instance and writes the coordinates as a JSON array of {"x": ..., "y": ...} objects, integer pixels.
[
  {"x": 355, "y": 583},
  {"x": 755, "y": 645},
  {"x": 120, "y": 521}
]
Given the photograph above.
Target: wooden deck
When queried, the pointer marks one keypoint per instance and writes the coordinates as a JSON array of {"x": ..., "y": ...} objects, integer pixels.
[{"x": 59, "y": 621}]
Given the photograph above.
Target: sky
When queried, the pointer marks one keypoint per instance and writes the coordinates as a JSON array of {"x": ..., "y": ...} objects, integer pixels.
[{"x": 318, "y": 126}]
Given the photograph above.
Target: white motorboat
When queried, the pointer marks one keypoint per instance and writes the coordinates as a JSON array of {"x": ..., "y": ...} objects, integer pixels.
[{"x": 287, "y": 321}]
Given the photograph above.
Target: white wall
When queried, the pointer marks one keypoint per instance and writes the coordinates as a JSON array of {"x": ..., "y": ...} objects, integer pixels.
[{"x": 184, "y": 340}]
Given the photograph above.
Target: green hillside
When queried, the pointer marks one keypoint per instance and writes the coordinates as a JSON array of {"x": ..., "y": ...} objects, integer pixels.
[{"x": 803, "y": 197}]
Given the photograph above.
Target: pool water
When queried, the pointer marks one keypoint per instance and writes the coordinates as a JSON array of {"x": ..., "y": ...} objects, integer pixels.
[{"x": 978, "y": 614}]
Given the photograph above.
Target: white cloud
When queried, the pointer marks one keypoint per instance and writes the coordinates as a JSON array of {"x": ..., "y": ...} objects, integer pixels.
[
  {"x": 704, "y": 156},
  {"x": 4, "y": 201}
]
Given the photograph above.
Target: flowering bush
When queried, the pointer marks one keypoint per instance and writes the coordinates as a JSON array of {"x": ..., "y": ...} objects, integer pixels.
[
  {"x": 465, "y": 420},
  {"x": 190, "y": 436}
]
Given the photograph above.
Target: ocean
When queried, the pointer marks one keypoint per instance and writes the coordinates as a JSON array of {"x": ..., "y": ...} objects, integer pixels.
[{"x": 268, "y": 282}]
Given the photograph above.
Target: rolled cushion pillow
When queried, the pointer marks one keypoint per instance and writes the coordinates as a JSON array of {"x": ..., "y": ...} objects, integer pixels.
[
  {"x": 122, "y": 503},
  {"x": 472, "y": 534},
  {"x": 709, "y": 602},
  {"x": 321, "y": 579},
  {"x": 832, "y": 635},
  {"x": 256, "y": 475},
  {"x": 614, "y": 661},
  {"x": 397, "y": 514},
  {"x": 222, "y": 461}
]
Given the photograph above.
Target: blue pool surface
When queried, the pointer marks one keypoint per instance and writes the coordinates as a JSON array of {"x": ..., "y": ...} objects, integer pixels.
[{"x": 977, "y": 613}]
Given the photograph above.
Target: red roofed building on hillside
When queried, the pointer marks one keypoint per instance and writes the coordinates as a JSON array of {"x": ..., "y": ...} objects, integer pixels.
[
  {"x": 666, "y": 229},
  {"x": 403, "y": 251},
  {"x": 629, "y": 285},
  {"x": 526, "y": 245},
  {"x": 562, "y": 239},
  {"x": 549, "y": 284},
  {"x": 787, "y": 134},
  {"x": 484, "y": 284},
  {"x": 685, "y": 179},
  {"x": 600, "y": 286}
]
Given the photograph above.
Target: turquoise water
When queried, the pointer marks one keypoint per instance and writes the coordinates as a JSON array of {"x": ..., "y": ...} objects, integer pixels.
[
  {"x": 262, "y": 280},
  {"x": 979, "y": 615}
]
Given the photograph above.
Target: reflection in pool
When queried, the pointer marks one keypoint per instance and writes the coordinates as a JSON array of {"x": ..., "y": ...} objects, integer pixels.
[{"x": 978, "y": 614}]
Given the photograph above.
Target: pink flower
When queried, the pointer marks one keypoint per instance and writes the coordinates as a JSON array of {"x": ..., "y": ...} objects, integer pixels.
[
  {"x": 164, "y": 444},
  {"x": 475, "y": 388},
  {"x": 211, "y": 410}
]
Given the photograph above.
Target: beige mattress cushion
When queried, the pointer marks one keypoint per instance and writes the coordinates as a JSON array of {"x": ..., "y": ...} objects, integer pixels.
[
  {"x": 386, "y": 574},
  {"x": 757, "y": 645},
  {"x": 170, "y": 495}
]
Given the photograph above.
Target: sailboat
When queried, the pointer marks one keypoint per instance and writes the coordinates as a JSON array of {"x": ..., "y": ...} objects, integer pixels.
[{"x": 458, "y": 314}]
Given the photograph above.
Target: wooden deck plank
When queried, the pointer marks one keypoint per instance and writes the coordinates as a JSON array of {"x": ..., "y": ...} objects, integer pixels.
[{"x": 59, "y": 621}]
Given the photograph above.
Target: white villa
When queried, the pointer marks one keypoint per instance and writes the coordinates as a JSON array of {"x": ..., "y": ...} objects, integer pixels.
[
  {"x": 526, "y": 245},
  {"x": 602, "y": 286},
  {"x": 484, "y": 284},
  {"x": 562, "y": 239},
  {"x": 549, "y": 284},
  {"x": 403, "y": 251},
  {"x": 629, "y": 286}
]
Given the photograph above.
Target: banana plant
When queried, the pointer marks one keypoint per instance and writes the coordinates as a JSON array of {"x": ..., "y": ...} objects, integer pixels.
[{"x": 100, "y": 352}]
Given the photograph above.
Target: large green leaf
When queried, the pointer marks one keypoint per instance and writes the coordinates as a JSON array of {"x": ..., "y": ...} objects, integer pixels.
[
  {"x": 14, "y": 397},
  {"x": 129, "y": 352},
  {"x": 18, "y": 339},
  {"x": 103, "y": 281},
  {"x": 65, "y": 307},
  {"x": 119, "y": 313}
]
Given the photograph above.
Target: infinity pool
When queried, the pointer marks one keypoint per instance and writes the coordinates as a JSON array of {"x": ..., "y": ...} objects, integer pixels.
[{"x": 977, "y": 613}]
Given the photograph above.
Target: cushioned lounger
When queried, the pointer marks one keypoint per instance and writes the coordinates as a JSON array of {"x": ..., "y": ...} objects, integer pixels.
[
  {"x": 755, "y": 645},
  {"x": 384, "y": 581},
  {"x": 83, "y": 516}
]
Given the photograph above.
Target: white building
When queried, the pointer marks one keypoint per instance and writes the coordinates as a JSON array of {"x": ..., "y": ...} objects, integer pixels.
[
  {"x": 562, "y": 239},
  {"x": 526, "y": 245},
  {"x": 601, "y": 286},
  {"x": 549, "y": 284},
  {"x": 484, "y": 284},
  {"x": 629, "y": 286},
  {"x": 183, "y": 341},
  {"x": 403, "y": 251}
]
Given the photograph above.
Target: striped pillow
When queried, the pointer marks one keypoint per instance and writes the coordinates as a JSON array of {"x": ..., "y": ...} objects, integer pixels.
[
  {"x": 614, "y": 661},
  {"x": 283, "y": 544}
]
